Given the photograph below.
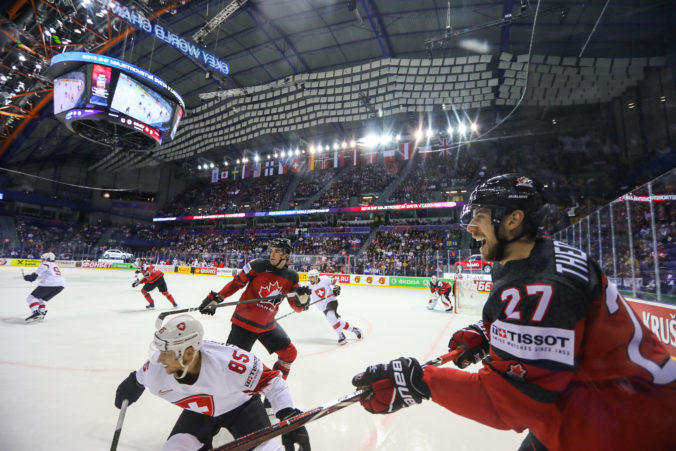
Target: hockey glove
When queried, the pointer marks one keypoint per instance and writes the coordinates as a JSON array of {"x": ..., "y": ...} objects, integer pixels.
[
  {"x": 302, "y": 297},
  {"x": 299, "y": 435},
  {"x": 208, "y": 305},
  {"x": 135, "y": 283},
  {"x": 336, "y": 290},
  {"x": 474, "y": 341},
  {"x": 392, "y": 385},
  {"x": 30, "y": 277},
  {"x": 129, "y": 389}
]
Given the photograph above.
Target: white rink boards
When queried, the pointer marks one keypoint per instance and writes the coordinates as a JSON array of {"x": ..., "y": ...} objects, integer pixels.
[{"x": 59, "y": 377}]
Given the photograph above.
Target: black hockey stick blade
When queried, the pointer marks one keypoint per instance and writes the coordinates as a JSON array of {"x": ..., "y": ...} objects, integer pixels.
[
  {"x": 161, "y": 316},
  {"x": 257, "y": 437},
  {"x": 118, "y": 428}
]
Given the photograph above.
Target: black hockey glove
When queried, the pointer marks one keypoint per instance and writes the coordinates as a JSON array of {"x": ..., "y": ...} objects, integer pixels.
[
  {"x": 474, "y": 341},
  {"x": 302, "y": 297},
  {"x": 135, "y": 283},
  {"x": 392, "y": 386},
  {"x": 30, "y": 277},
  {"x": 336, "y": 290},
  {"x": 129, "y": 389},
  {"x": 299, "y": 435},
  {"x": 208, "y": 305}
]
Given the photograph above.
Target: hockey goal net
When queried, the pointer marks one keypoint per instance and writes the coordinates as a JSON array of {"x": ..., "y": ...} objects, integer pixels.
[{"x": 471, "y": 292}]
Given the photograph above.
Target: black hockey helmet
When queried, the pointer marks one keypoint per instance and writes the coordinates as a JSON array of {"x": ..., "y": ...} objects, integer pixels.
[
  {"x": 505, "y": 193},
  {"x": 282, "y": 243}
]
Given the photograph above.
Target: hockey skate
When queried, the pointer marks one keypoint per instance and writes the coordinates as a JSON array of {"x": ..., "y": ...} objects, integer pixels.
[
  {"x": 150, "y": 306},
  {"x": 357, "y": 332},
  {"x": 42, "y": 315},
  {"x": 35, "y": 316},
  {"x": 341, "y": 339}
]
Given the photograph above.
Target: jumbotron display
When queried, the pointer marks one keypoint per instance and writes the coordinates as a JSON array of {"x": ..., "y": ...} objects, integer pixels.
[{"x": 114, "y": 103}]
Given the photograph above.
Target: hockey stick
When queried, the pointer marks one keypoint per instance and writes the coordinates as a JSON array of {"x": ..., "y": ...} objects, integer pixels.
[
  {"x": 118, "y": 428},
  {"x": 161, "y": 316},
  {"x": 254, "y": 438},
  {"x": 308, "y": 306}
]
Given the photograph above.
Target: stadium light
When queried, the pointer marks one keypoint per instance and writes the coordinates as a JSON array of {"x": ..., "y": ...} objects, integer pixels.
[
  {"x": 418, "y": 135},
  {"x": 450, "y": 131},
  {"x": 462, "y": 129},
  {"x": 473, "y": 127},
  {"x": 344, "y": 145},
  {"x": 312, "y": 150},
  {"x": 371, "y": 141},
  {"x": 353, "y": 144}
]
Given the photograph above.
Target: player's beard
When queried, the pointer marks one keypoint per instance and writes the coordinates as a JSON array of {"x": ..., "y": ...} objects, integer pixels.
[{"x": 490, "y": 250}]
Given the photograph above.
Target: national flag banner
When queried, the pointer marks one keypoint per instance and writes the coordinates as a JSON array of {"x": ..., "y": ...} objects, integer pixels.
[
  {"x": 406, "y": 150},
  {"x": 246, "y": 171},
  {"x": 388, "y": 155},
  {"x": 282, "y": 166},
  {"x": 224, "y": 174},
  {"x": 269, "y": 168},
  {"x": 311, "y": 163},
  {"x": 323, "y": 162},
  {"x": 214, "y": 175},
  {"x": 338, "y": 159},
  {"x": 235, "y": 173},
  {"x": 354, "y": 157},
  {"x": 257, "y": 169},
  {"x": 371, "y": 156},
  {"x": 444, "y": 147},
  {"x": 425, "y": 151},
  {"x": 295, "y": 165}
]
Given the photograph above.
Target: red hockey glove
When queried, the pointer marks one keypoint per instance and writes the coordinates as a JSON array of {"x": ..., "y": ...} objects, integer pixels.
[
  {"x": 207, "y": 307},
  {"x": 473, "y": 340},
  {"x": 392, "y": 385}
]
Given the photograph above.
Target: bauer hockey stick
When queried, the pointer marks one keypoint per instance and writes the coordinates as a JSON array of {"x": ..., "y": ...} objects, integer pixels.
[
  {"x": 255, "y": 438},
  {"x": 118, "y": 428},
  {"x": 161, "y": 316}
]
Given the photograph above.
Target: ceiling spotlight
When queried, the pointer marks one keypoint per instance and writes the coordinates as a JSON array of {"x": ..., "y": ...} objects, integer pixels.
[
  {"x": 419, "y": 135},
  {"x": 238, "y": 161},
  {"x": 449, "y": 130},
  {"x": 312, "y": 150},
  {"x": 47, "y": 32},
  {"x": 430, "y": 132},
  {"x": 343, "y": 145},
  {"x": 398, "y": 137},
  {"x": 256, "y": 158},
  {"x": 336, "y": 146},
  {"x": 211, "y": 165},
  {"x": 353, "y": 144},
  {"x": 77, "y": 31},
  {"x": 297, "y": 152},
  {"x": 22, "y": 58},
  {"x": 473, "y": 127},
  {"x": 283, "y": 153},
  {"x": 199, "y": 167},
  {"x": 462, "y": 129},
  {"x": 225, "y": 163},
  {"x": 52, "y": 29}
]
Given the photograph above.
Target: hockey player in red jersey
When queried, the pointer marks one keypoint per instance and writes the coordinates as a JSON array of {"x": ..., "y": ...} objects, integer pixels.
[
  {"x": 152, "y": 278},
  {"x": 216, "y": 385},
  {"x": 440, "y": 291},
  {"x": 256, "y": 320},
  {"x": 563, "y": 354}
]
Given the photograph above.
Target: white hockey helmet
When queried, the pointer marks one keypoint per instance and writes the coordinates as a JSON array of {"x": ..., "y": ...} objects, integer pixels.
[
  {"x": 313, "y": 274},
  {"x": 49, "y": 256},
  {"x": 178, "y": 334}
]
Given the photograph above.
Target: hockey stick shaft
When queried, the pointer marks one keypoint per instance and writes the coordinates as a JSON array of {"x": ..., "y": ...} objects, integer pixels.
[
  {"x": 255, "y": 438},
  {"x": 161, "y": 316},
  {"x": 291, "y": 313},
  {"x": 118, "y": 428}
]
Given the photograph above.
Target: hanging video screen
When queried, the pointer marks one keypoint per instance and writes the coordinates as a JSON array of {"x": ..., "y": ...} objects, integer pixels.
[
  {"x": 141, "y": 103},
  {"x": 179, "y": 115},
  {"x": 69, "y": 91},
  {"x": 100, "y": 84}
]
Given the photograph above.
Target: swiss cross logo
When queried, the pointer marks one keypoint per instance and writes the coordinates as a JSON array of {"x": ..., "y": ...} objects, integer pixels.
[
  {"x": 199, "y": 403},
  {"x": 517, "y": 371},
  {"x": 180, "y": 326},
  {"x": 502, "y": 333},
  {"x": 321, "y": 292}
]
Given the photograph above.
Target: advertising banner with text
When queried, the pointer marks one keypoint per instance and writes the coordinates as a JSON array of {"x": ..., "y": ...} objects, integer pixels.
[
  {"x": 660, "y": 319},
  {"x": 24, "y": 262}
]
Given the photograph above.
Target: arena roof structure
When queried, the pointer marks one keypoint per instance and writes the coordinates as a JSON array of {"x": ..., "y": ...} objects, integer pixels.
[{"x": 303, "y": 69}]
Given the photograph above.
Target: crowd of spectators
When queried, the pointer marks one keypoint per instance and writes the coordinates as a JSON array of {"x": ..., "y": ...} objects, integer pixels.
[{"x": 66, "y": 240}]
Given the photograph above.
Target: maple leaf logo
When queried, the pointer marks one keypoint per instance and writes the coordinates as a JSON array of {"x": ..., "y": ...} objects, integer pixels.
[
  {"x": 525, "y": 182},
  {"x": 270, "y": 289},
  {"x": 517, "y": 371}
]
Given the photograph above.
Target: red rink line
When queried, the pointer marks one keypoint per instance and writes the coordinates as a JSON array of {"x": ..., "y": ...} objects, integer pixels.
[{"x": 58, "y": 368}]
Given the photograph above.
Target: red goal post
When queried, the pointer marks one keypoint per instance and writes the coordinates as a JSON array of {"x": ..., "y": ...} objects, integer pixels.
[{"x": 471, "y": 292}]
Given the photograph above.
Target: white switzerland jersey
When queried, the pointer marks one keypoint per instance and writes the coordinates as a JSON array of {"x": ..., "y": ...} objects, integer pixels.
[
  {"x": 323, "y": 289},
  {"x": 49, "y": 275},
  {"x": 228, "y": 377}
]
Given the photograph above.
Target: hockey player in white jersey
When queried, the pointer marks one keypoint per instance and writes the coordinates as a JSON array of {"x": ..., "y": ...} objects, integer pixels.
[
  {"x": 50, "y": 284},
  {"x": 324, "y": 292},
  {"x": 216, "y": 384}
]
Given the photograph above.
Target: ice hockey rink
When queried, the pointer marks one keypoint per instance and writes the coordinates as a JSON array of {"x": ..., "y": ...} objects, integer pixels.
[{"x": 58, "y": 377}]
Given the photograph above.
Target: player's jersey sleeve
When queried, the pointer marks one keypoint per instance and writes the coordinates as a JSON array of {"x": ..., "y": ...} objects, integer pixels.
[{"x": 42, "y": 269}]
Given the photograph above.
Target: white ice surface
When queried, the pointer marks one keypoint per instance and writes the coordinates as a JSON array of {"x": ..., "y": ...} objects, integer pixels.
[{"x": 58, "y": 377}]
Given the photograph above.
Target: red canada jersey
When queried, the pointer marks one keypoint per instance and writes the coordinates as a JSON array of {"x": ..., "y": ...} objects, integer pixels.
[
  {"x": 440, "y": 287},
  {"x": 150, "y": 274},
  {"x": 569, "y": 360},
  {"x": 261, "y": 279}
]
